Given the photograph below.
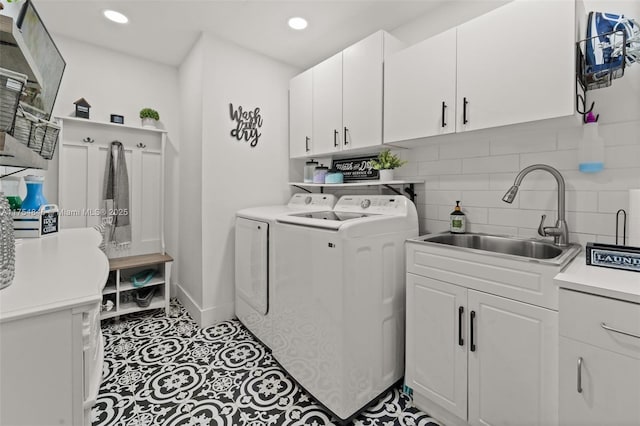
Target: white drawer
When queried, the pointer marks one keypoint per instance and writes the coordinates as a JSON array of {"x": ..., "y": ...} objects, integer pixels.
[{"x": 585, "y": 317}]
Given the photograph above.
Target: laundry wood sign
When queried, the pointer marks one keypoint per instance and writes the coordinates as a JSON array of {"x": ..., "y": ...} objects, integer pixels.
[{"x": 247, "y": 124}]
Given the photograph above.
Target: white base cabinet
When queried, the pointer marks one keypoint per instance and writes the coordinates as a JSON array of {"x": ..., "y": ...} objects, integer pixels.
[
  {"x": 475, "y": 354},
  {"x": 484, "y": 359},
  {"x": 599, "y": 367}
]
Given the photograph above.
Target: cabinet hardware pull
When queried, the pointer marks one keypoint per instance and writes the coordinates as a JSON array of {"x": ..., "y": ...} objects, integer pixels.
[
  {"x": 335, "y": 138},
  {"x": 460, "y": 313},
  {"x": 464, "y": 111},
  {"x": 579, "y": 375},
  {"x": 306, "y": 143},
  {"x": 345, "y": 136},
  {"x": 444, "y": 107},
  {"x": 615, "y": 330},
  {"x": 472, "y": 345}
]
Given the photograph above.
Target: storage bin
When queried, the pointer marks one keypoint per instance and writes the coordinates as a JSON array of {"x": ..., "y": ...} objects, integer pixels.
[
  {"x": 36, "y": 133},
  {"x": 11, "y": 86}
]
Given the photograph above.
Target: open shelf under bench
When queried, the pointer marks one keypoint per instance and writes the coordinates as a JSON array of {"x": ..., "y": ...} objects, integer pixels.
[{"x": 120, "y": 290}]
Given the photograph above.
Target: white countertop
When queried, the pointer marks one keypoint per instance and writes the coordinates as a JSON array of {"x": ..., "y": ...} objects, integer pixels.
[
  {"x": 613, "y": 283},
  {"x": 55, "y": 272}
]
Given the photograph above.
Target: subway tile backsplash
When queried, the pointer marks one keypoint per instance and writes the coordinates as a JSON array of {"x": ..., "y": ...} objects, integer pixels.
[{"x": 479, "y": 172}]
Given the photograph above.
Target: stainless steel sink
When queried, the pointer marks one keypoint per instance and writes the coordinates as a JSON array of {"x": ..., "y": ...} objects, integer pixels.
[{"x": 524, "y": 248}]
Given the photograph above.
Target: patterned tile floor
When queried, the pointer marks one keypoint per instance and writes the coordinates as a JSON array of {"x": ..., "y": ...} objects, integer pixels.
[{"x": 168, "y": 371}]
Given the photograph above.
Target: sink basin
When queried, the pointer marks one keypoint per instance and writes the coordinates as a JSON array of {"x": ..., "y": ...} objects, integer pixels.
[{"x": 525, "y": 248}]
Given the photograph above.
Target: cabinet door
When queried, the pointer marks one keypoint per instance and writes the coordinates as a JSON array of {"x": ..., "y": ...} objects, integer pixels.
[
  {"x": 300, "y": 88},
  {"x": 420, "y": 89},
  {"x": 610, "y": 386},
  {"x": 436, "y": 343},
  {"x": 516, "y": 64},
  {"x": 327, "y": 106},
  {"x": 513, "y": 367},
  {"x": 362, "y": 93}
]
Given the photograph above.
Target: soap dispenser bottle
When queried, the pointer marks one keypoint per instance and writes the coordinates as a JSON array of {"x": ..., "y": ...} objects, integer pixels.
[
  {"x": 591, "y": 152},
  {"x": 458, "y": 220}
]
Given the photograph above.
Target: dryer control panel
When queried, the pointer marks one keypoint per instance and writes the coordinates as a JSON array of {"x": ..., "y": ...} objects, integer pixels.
[
  {"x": 312, "y": 201},
  {"x": 373, "y": 204}
]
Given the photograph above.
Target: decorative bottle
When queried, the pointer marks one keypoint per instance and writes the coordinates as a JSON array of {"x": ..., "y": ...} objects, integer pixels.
[{"x": 591, "y": 152}]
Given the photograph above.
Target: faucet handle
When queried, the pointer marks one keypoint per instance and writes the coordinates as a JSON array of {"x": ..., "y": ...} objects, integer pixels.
[{"x": 541, "y": 230}]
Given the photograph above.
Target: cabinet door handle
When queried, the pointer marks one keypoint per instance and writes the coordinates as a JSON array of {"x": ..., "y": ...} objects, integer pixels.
[
  {"x": 460, "y": 314},
  {"x": 444, "y": 107},
  {"x": 615, "y": 330},
  {"x": 335, "y": 138},
  {"x": 345, "y": 136},
  {"x": 579, "y": 389},
  {"x": 472, "y": 344},
  {"x": 306, "y": 143},
  {"x": 464, "y": 111}
]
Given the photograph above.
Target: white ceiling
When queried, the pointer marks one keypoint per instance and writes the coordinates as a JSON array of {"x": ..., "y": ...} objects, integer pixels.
[{"x": 165, "y": 30}]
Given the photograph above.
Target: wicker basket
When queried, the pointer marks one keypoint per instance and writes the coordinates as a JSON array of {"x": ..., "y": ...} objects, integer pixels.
[
  {"x": 36, "y": 133},
  {"x": 11, "y": 86}
]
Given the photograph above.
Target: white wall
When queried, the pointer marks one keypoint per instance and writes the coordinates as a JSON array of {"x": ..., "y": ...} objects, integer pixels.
[
  {"x": 190, "y": 179},
  {"x": 233, "y": 174},
  {"x": 121, "y": 84},
  {"x": 477, "y": 168}
]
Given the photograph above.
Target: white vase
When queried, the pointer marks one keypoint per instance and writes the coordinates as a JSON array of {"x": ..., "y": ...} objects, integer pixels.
[
  {"x": 149, "y": 123},
  {"x": 386, "y": 175}
]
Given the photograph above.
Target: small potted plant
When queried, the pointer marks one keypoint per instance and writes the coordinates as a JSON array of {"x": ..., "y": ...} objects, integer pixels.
[
  {"x": 149, "y": 117},
  {"x": 385, "y": 163}
]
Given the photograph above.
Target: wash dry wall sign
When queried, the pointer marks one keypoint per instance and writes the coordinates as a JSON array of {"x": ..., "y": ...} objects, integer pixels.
[{"x": 247, "y": 124}]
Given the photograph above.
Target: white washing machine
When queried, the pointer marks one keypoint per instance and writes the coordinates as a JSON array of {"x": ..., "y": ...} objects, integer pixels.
[
  {"x": 254, "y": 257},
  {"x": 338, "y": 298}
]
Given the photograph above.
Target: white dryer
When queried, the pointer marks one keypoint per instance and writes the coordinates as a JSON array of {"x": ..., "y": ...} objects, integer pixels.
[
  {"x": 254, "y": 257},
  {"x": 338, "y": 298}
]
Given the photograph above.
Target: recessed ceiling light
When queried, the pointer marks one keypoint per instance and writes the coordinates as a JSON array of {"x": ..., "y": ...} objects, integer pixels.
[
  {"x": 298, "y": 23},
  {"x": 114, "y": 16}
]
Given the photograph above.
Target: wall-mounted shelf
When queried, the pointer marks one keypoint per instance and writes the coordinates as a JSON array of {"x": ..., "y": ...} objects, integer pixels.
[
  {"x": 408, "y": 186},
  {"x": 105, "y": 123},
  {"x": 15, "y": 154}
]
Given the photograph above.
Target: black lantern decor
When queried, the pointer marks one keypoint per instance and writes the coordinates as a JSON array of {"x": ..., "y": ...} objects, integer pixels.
[{"x": 82, "y": 108}]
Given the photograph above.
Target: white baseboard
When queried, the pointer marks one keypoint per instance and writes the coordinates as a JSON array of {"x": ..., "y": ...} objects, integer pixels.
[{"x": 208, "y": 316}]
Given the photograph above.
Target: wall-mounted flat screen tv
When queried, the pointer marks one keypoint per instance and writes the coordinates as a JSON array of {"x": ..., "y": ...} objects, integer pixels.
[{"x": 47, "y": 58}]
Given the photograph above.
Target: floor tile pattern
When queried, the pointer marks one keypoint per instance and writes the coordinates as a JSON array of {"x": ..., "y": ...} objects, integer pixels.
[{"x": 168, "y": 371}]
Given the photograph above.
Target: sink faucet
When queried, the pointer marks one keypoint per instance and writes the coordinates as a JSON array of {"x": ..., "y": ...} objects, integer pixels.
[{"x": 560, "y": 232}]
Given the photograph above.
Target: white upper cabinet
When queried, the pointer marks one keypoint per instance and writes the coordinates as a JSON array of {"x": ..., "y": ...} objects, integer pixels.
[
  {"x": 362, "y": 77},
  {"x": 420, "y": 89},
  {"x": 346, "y": 100},
  {"x": 516, "y": 64},
  {"x": 512, "y": 65},
  {"x": 300, "y": 124},
  {"x": 327, "y": 105}
]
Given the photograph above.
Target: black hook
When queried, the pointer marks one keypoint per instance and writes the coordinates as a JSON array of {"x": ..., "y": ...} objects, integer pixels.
[
  {"x": 88, "y": 140},
  {"x": 584, "y": 111}
]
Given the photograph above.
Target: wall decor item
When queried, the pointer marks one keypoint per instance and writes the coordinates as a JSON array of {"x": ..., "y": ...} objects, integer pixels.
[
  {"x": 356, "y": 168},
  {"x": 82, "y": 108},
  {"x": 247, "y": 123},
  {"x": 118, "y": 119},
  {"x": 149, "y": 117},
  {"x": 47, "y": 59}
]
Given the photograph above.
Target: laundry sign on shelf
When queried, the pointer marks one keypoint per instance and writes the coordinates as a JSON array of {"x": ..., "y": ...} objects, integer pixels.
[
  {"x": 356, "y": 168},
  {"x": 247, "y": 124}
]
